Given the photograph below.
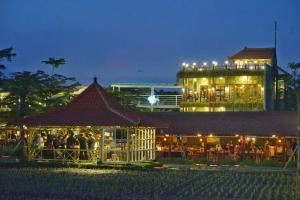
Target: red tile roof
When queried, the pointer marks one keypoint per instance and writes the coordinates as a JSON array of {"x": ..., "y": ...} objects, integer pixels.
[
  {"x": 93, "y": 107},
  {"x": 254, "y": 53},
  {"x": 230, "y": 123}
]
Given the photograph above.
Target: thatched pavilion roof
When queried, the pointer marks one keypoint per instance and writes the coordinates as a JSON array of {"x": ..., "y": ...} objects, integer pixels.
[{"x": 93, "y": 107}]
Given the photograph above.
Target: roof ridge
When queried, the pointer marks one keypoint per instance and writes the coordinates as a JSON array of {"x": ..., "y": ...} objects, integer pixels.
[{"x": 112, "y": 109}]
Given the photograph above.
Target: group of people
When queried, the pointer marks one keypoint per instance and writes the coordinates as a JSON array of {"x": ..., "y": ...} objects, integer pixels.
[
  {"x": 79, "y": 146},
  {"x": 239, "y": 150}
]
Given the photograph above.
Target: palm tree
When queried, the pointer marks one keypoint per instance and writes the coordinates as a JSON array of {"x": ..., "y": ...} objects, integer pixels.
[
  {"x": 7, "y": 54},
  {"x": 54, "y": 62}
]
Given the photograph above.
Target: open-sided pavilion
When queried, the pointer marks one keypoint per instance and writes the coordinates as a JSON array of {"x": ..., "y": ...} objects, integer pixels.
[{"x": 93, "y": 127}]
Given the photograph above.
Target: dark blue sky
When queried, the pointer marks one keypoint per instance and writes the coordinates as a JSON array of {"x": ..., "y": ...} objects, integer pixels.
[{"x": 116, "y": 39}]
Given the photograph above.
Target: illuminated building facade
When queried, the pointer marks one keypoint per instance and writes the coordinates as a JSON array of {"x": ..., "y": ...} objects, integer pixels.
[{"x": 249, "y": 81}]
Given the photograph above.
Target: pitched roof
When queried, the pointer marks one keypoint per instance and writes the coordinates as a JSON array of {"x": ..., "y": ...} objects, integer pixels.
[
  {"x": 230, "y": 123},
  {"x": 254, "y": 53},
  {"x": 93, "y": 107}
]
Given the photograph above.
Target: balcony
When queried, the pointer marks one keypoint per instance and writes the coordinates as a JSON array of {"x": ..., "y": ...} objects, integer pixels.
[{"x": 222, "y": 70}]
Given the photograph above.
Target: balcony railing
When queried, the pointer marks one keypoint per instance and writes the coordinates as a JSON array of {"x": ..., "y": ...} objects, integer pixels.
[
  {"x": 65, "y": 155},
  {"x": 250, "y": 66},
  {"x": 163, "y": 101}
]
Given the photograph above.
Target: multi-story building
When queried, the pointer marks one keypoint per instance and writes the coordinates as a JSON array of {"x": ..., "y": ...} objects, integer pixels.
[{"x": 249, "y": 81}]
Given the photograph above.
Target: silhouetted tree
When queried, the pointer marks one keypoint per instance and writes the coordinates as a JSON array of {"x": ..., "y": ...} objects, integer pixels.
[
  {"x": 55, "y": 63},
  {"x": 294, "y": 85},
  {"x": 5, "y": 54},
  {"x": 35, "y": 92}
]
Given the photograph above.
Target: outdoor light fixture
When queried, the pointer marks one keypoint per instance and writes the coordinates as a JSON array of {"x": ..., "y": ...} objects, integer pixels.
[
  {"x": 273, "y": 136},
  {"x": 215, "y": 63},
  {"x": 183, "y": 64},
  {"x": 226, "y": 62},
  {"x": 165, "y": 139},
  {"x": 236, "y": 135},
  {"x": 199, "y": 135},
  {"x": 152, "y": 99},
  {"x": 210, "y": 135},
  {"x": 167, "y": 135},
  {"x": 194, "y": 64},
  {"x": 205, "y": 64}
]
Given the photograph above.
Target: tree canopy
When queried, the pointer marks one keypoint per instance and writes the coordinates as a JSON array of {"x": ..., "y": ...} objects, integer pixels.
[
  {"x": 35, "y": 92},
  {"x": 294, "y": 85}
]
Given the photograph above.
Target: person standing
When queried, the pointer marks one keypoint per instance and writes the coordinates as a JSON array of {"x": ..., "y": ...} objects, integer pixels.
[
  {"x": 91, "y": 145},
  {"x": 72, "y": 142},
  {"x": 83, "y": 146}
]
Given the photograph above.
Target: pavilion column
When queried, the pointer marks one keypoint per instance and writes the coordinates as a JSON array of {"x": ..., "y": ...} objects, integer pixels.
[
  {"x": 141, "y": 144},
  {"x": 102, "y": 146},
  {"x": 127, "y": 144},
  {"x": 148, "y": 147},
  {"x": 132, "y": 149},
  {"x": 29, "y": 144},
  {"x": 135, "y": 144},
  {"x": 142, "y": 132},
  {"x": 153, "y": 143}
]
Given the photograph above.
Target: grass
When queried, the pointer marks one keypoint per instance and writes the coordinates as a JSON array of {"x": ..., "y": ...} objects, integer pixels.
[
  {"x": 74, "y": 183},
  {"x": 227, "y": 162}
]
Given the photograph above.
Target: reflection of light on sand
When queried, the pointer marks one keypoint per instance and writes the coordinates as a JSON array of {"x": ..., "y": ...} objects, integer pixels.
[{"x": 84, "y": 171}]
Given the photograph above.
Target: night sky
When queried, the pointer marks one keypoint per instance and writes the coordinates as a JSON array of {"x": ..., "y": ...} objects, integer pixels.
[{"x": 136, "y": 41}]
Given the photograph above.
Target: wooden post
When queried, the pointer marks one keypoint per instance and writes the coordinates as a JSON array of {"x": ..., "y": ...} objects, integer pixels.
[
  {"x": 102, "y": 146},
  {"x": 127, "y": 145},
  {"x": 135, "y": 144},
  {"x": 170, "y": 144},
  {"x": 298, "y": 139}
]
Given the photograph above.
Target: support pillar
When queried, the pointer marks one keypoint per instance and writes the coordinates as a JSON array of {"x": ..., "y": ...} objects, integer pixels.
[{"x": 102, "y": 146}]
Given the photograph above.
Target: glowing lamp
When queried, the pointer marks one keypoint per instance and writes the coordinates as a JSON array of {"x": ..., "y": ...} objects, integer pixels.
[{"x": 152, "y": 99}]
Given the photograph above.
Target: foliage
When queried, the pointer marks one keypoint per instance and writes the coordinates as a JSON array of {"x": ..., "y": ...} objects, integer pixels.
[
  {"x": 126, "y": 97},
  {"x": 36, "y": 92},
  {"x": 5, "y": 54},
  {"x": 74, "y": 183},
  {"x": 271, "y": 163},
  {"x": 180, "y": 161},
  {"x": 294, "y": 85},
  {"x": 55, "y": 63}
]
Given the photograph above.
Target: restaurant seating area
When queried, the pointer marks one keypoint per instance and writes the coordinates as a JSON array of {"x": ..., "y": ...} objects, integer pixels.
[{"x": 218, "y": 148}]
